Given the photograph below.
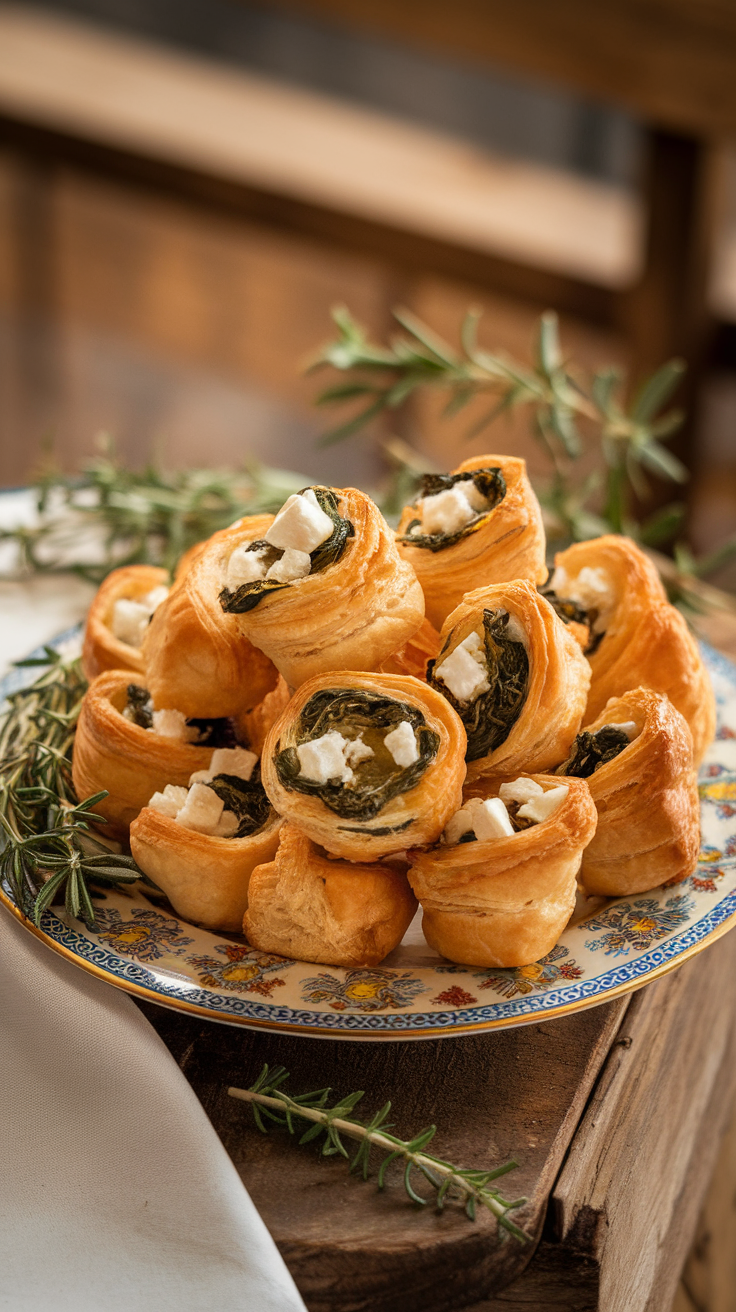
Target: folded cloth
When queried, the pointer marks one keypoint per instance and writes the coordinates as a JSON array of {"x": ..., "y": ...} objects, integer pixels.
[{"x": 115, "y": 1191}]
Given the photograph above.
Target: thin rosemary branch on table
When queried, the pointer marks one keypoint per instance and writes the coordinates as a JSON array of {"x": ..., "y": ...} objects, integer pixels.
[
  {"x": 48, "y": 846},
  {"x": 269, "y": 1102}
]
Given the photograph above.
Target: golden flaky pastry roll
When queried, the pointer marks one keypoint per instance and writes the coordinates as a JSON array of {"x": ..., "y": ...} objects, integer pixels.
[
  {"x": 119, "y": 618},
  {"x": 479, "y": 524},
  {"x": 196, "y": 658},
  {"x": 113, "y": 752},
  {"x": 516, "y": 677},
  {"x": 637, "y": 758},
  {"x": 254, "y": 726},
  {"x": 366, "y": 764},
  {"x": 639, "y": 639},
  {"x": 205, "y": 875},
  {"x": 307, "y": 905},
  {"x": 324, "y": 588},
  {"x": 493, "y": 895},
  {"x": 414, "y": 655}
]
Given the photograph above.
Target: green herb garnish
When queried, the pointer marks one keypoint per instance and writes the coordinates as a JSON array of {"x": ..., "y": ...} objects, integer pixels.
[
  {"x": 377, "y": 779},
  {"x": 489, "y": 482},
  {"x": 248, "y": 595},
  {"x": 48, "y": 845},
  {"x": 471, "y": 1188},
  {"x": 592, "y": 750},
  {"x": 490, "y": 718}
]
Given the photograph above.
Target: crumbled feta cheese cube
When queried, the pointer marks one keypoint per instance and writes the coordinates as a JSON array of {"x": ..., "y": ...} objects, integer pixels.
[
  {"x": 491, "y": 820},
  {"x": 520, "y": 790},
  {"x": 301, "y": 523},
  {"x": 323, "y": 759},
  {"x": 464, "y": 671},
  {"x": 293, "y": 565},
  {"x": 173, "y": 724},
  {"x": 357, "y": 751},
  {"x": 541, "y": 808},
  {"x": 446, "y": 512},
  {"x": 474, "y": 496},
  {"x": 129, "y": 621},
  {"x": 402, "y": 744},
  {"x": 227, "y": 825},
  {"x": 202, "y": 810},
  {"x": 170, "y": 801},
  {"x": 154, "y": 598},
  {"x": 244, "y": 566},
  {"x": 591, "y": 589},
  {"x": 516, "y": 632},
  {"x": 233, "y": 760}
]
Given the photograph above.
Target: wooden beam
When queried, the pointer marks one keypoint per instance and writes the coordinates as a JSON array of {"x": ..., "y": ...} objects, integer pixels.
[{"x": 670, "y": 62}]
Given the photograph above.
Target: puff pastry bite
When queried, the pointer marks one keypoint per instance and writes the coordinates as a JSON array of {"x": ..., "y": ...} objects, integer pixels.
[
  {"x": 324, "y": 587},
  {"x": 196, "y": 658},
  {"x": 366, "y": 764},
  {"x": 111, "y": 751},
  {"x": 119, "y": 617},
  {"x": 516, "y": 677},
  {"x": 638, "y": 761},
  {"x": 639, "y": 639},
  {"x": 201, "y": 844},
  {"x": 497, "y": 894},
  {"x": 307, "y": 905},
  {"x": 479, "y": 524},
  {"x": 253, "y": 727}
]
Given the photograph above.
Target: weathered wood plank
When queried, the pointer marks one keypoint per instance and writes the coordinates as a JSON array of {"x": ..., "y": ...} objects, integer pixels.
[{"x": 349, "y": 1248}]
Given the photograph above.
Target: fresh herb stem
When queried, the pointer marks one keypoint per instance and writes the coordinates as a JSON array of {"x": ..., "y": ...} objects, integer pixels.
[
  {"x": 269, "y": 1101},
  {"x": 48, "y": 846}
]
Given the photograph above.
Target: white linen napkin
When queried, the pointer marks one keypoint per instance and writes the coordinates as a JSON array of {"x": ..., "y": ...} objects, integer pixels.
[{"x": 115, "y": 1191}]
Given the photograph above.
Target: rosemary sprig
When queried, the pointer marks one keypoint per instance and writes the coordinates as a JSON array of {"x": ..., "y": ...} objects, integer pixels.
[
  {"x": 47, "y": 843},
  {"x": 119, "y": 516},
  {"x": 269, "y": 1102},
  {"x": 631, "y": 437}
]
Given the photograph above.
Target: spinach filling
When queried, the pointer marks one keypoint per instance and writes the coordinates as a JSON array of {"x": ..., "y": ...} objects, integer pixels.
[
  {"x": 490, "y": 718},
  {"x": 246, "y": 798},
  {"x": 489, "y": 482},
  {"x": 571, "y": 613},
  {"x": 248, "y": 595},
  {"x": 378, "y": 779},
  {"x": 212, "y": 733},
  {"x": 592, "y": 750}
]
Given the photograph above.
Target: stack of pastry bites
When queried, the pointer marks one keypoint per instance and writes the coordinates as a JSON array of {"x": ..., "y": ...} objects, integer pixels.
[{"x": 323, "y": 721}]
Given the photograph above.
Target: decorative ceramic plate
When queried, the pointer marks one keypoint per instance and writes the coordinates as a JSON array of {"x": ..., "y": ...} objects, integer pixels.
[{"x": 609, "y": 947}]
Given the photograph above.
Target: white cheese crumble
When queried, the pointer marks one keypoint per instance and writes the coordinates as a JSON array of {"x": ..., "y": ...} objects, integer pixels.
[
  {"x": 130, "y": 618},
  {"x": 520, "y": 790},
  {"x": 474, "y": 496},
  {"x": 238, "y": 761},
  {"x": 541, "y": 808},
  {"x": 630, "y": 728},
  {"x": 464, "y": 670},
  {"x": 301, "y": 523},
  {"x": 591, "y": 589},
  {"x": 402, "y": 744},
  {"x": 357, "y": 751},
  {"x": 244, "y": 567},
  {"x": 293, "y": 565},
  {"x": 516, "y": 632},
  {"x": 324, "y": 759},
  {"x": 486, "y": 819},
  {"x": 447, "y": 511},
  {"x": 170, "y": 801},
  {"x": 173, "y": 724}
]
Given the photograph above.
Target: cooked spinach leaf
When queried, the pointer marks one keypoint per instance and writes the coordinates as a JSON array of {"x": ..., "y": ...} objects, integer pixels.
[
  {"x": 570, "y": 612},
  {"x": 246, "y": 797},
  {"x": 248, "y": 595},
  {"x": 491, "y": 717},
  {"x": 378, "y": 779},
  {"x": 139, "y": 708},
  {"x": 215, "y": 733},
  {"x": 489, "y": 482},
  {"x": 592, "y": 750}
]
